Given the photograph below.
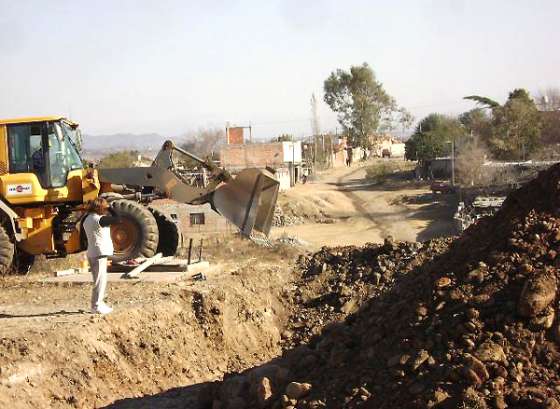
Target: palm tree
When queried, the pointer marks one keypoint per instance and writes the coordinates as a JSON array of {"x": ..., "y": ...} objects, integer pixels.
[{"x": 490, "y": 103}]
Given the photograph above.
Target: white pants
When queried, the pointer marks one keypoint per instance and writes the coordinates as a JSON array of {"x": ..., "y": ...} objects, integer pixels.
[{"x": 99, "y": 272}]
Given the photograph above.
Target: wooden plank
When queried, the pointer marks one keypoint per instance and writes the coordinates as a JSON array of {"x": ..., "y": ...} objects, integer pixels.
[
  {"x": 67, "y": 272},
  {"x": 157, "y": 267},
  {"x": 137, "y": 270},
  {"x": 167, "y": 268},
  {"x": 164, "y": 264}
]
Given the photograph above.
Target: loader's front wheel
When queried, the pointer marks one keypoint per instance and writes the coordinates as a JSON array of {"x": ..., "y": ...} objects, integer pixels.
[
  {"x": 137, "y": 234},
  {"x": 6, "y": 252},
  {"x": 23, "y": 262}
]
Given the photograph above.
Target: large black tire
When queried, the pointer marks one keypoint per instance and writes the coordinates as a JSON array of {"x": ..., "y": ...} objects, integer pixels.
[
  {"x": 137, "y": 235},
  {"x": 169, "y": 236},
  {"x": 7, "y": 250},
  {"x": 23, "y": 262}
]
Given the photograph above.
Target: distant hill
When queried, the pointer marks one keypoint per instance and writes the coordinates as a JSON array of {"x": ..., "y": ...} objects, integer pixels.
[{"x": 123, "y": 141}]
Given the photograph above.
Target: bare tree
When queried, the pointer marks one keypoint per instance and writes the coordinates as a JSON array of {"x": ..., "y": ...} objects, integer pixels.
[
  {"x": 405, "y": 118},
  {"x": 469, "y": 163},
  {"x": 548, "y": 99},
  {"x": 204, "y": 142}
]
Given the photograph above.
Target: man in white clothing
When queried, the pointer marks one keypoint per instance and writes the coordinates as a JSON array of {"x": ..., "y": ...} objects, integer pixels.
[{"x": 100, "y": 246}]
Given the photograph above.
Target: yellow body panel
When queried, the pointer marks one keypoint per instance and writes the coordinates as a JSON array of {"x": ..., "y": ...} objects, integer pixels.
[
  {"x": 36, "y": 226},
  {"x": 31, "y": 119},
  {"x": 24, "y": 188},
  {"x": 73, "y": 245},
  {"x": 3, "y": 150}
]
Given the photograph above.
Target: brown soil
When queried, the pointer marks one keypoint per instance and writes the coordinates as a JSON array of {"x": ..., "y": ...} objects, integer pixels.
[{"x": 365, "y": 211}]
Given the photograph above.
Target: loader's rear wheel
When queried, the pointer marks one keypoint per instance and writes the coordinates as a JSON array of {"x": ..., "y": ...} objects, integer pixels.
[
  {"x": 169, "y": 236},
  {"x": 110, "y": 196},
  {"x": 137, "y": 234},
  {"x": 6, "y": 252}
]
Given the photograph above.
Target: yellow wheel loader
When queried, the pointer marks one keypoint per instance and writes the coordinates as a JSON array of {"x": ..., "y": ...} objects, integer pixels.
[{"x": 44, "y": 185}]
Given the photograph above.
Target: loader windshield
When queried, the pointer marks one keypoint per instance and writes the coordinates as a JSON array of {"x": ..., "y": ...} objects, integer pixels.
[
  {"x": 62, "y": 154},
  {"x": 70, "y": 139}
]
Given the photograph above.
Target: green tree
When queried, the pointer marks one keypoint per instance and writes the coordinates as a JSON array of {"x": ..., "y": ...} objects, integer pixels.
[
  {"x": 433, "y": 136},
  {"x": 123, "y": 159},
  {"x": 477, "y": 122},
  {"x": 515, "y": 126},
  {"x": 485, "y": 101},
  {"x": 359, "y": 100},
  {"x": 283, "y": 138}
]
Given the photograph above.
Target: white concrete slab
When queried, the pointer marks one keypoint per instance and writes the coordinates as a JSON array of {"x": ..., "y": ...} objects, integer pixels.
[
  {"x": 146, "y": 276},
  {"x": 162, "y": 277}
]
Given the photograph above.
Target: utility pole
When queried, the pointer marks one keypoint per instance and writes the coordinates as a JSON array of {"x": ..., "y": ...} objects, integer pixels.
[{"x": 452, "y": 162}]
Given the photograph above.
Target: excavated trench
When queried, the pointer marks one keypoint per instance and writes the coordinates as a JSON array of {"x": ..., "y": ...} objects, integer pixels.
[{"x": 184, "y": 337}]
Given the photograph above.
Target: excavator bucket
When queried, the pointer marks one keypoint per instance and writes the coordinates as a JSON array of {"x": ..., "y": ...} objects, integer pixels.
[{"x": 248, "y": 200}]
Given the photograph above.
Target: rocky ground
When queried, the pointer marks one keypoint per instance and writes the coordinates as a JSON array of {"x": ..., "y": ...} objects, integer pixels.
[{"x": 465, "y": 324}]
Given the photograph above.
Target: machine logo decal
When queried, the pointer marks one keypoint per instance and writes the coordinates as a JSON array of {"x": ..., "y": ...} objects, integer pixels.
[{"x": 20, "y": 189}]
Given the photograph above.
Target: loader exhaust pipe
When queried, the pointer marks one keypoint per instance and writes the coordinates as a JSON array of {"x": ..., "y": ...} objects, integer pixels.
[{"x": 248, "y": 200}]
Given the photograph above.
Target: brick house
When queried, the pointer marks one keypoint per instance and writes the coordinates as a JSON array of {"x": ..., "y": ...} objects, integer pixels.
[
  {"x": 195, "y": 221},
  {"x": 284, "y": 157},
  {"x": 387, "y": 144}
]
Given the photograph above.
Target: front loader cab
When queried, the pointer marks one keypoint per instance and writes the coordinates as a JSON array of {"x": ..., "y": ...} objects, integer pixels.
[{"x": 45, "y": 148}]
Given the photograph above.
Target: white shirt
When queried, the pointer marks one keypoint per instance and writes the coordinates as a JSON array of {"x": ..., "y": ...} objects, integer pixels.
[{"x": 98, "y": 237}]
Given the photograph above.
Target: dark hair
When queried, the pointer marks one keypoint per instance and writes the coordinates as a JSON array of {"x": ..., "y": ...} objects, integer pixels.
[{"x": 98, "y": 205}]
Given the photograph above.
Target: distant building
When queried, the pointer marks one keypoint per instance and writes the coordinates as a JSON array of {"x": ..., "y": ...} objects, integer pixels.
[
  {"x": 339, "y": 153},
  {"x": 235, "y": 135},
  {"x": 387, "y": 146},
  {"x": 284, "y": 157}
]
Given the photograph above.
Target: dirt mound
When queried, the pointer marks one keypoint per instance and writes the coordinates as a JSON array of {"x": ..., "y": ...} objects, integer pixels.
[
  {"x": 474, "y": 327},
  {"x": 334, "y": 284},
  {"x": 297, "y": 206}
]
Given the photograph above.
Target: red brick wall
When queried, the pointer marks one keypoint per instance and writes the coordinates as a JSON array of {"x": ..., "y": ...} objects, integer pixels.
[
  {"x": 235, "y": 136},
  {"x": 253, "y": 155}
]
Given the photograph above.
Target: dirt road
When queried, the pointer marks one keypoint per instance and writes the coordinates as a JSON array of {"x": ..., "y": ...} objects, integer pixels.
[{"x": 364, "y": 211}]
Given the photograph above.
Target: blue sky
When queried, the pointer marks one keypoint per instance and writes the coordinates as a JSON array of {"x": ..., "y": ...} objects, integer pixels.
[{"x": 173, "y": 66}]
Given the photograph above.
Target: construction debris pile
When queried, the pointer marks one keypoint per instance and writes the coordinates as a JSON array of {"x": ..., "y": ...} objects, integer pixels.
[
  {"x": 280, "y": 219},
  {"x": 292, "y": 215},
  {"x": 471, "y": 324}
]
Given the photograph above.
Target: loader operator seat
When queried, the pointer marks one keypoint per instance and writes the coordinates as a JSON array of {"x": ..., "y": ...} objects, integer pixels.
[
  {"x": 37, "y": 155},
  {"x": 38, "y": 166}
]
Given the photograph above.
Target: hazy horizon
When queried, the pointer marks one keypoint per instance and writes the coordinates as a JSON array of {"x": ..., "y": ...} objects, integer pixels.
[{"x": 171, "y": 67}]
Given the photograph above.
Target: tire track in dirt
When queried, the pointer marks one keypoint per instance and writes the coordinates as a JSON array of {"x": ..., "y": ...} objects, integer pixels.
[{"x": 359, "y": 203}]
